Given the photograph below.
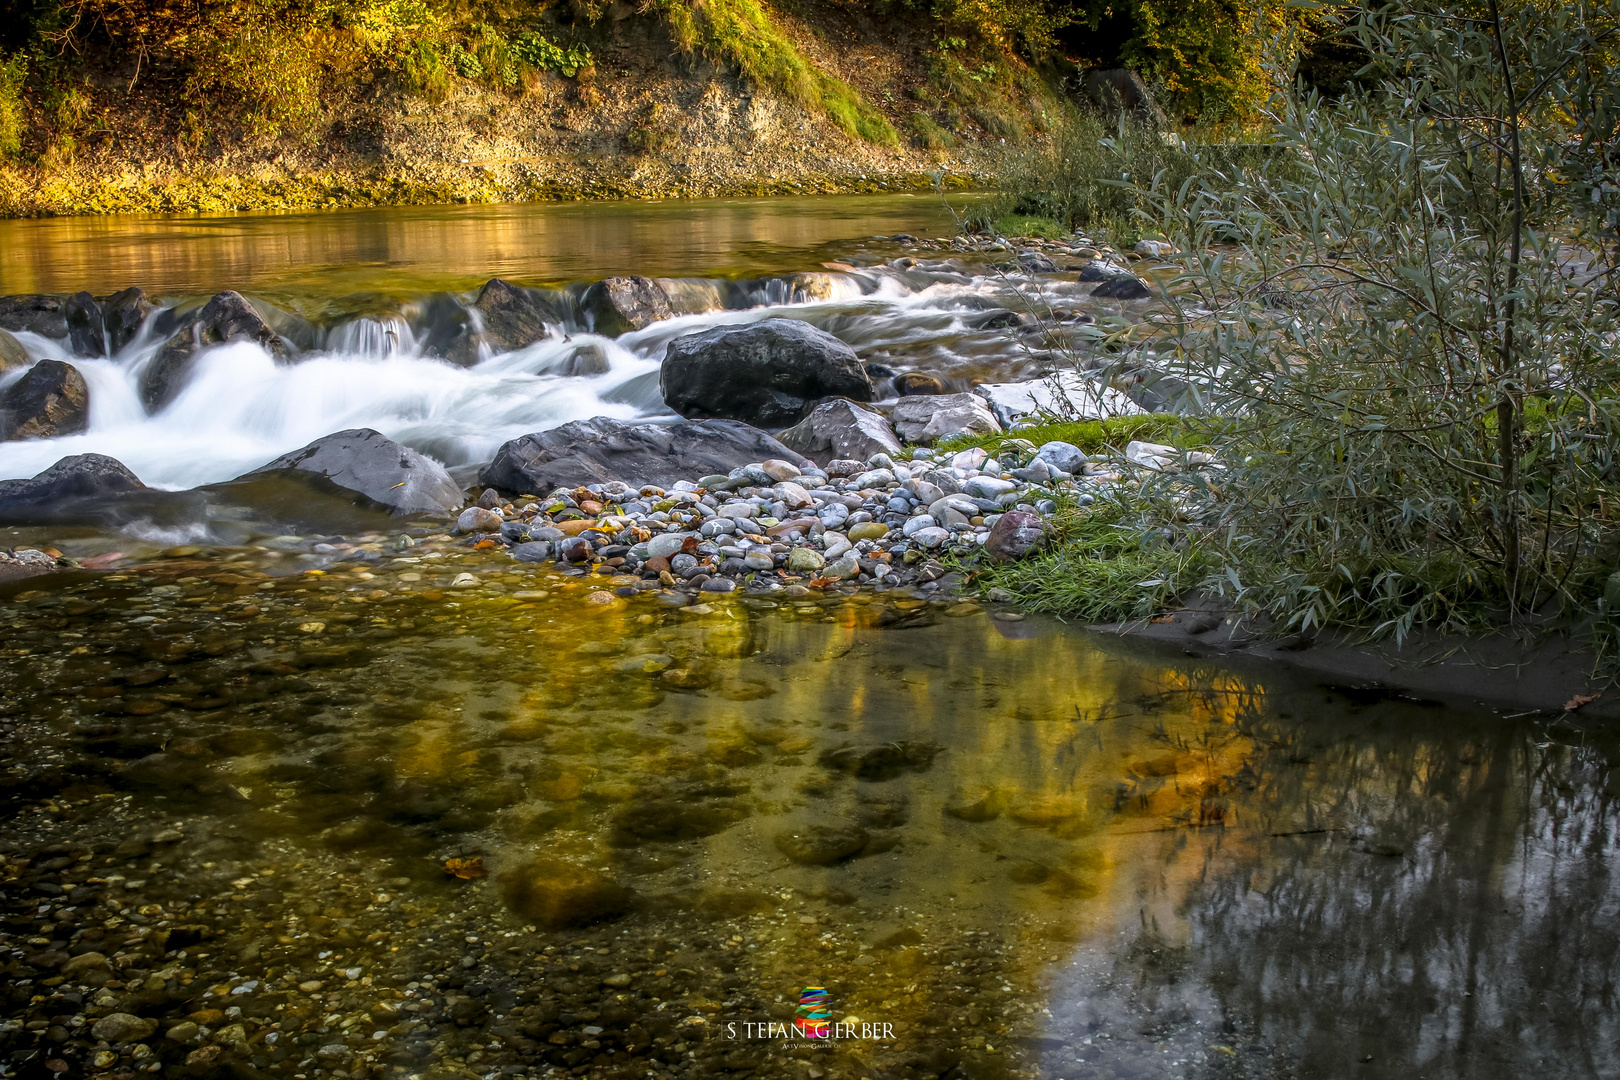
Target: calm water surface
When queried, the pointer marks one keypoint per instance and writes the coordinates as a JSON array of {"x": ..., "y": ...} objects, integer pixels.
[{"x": 405, "y": 251}]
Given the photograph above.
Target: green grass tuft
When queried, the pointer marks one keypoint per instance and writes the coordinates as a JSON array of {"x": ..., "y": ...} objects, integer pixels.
[{"x": 1092, "y": 436}]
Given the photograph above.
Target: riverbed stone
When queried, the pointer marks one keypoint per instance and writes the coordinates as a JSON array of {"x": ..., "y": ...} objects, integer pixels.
[
  {"x": 603, "y": 449},
  {"x": 1014, "y": 535},
  {"x": 868, "y": 530},
  {"x": 555, "y": 894},
  {"x": 841, "y": 428},
  {"x": 382, "y": 473},
  {"x": 617, "y": 305},
  {"x": 12, "y": 353},
  {"x": 805, "y": 560},
  {"x": 665, "y": 545},
  {"x": 1066, "y": 456},
  {"x": 476, "y": 519},
  {"x": 226, "y": 318},
  {"x": 928, "y": 419},
  {"x": 821, "y": 844},
  {"x": 770, "y": 373},
  {"x": 121, "y": 1027},
  {"x": 49, "y": 401},
  {"x": 1122, "y": 287}
]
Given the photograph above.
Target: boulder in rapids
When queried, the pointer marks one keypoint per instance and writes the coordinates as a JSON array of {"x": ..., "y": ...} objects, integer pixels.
[
  {"x": 51, "y": 399},
  {"x": 616, "y": 305},
  {"x": 1122, "y": 287},
  {"x": 840, "y": 428},
  {"x": 600, "y": 449},
  {"x": 122, "y": 314},
  {"x": 83, "y": 316},
  {"x": 34, "y": 313},
  {"x": 382, "y": 472},
  {"x": 77, "y": 477},
  {"x": 228, "y": 317},
  {"x": 513, "y": 316},
  {"x": 928, "y": 419},
  {"x": 12, "y": 354},
  {"x": 770, "y": 373}
]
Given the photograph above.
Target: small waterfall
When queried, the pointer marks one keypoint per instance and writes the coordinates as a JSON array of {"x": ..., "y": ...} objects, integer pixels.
[{"x": 426, "y": 377}]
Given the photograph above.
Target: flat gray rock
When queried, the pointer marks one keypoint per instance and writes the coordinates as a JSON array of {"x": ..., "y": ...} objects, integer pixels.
[{"x": 375, "y": 467}]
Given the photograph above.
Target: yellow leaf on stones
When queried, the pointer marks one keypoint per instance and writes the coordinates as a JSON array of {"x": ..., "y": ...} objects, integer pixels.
[
  {"x": 466, "y": 869},
  {"x": 312, "y": 627}
]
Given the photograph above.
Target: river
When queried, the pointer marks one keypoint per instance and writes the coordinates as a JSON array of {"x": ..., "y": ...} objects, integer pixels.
[{"x": 299, "y": 806}]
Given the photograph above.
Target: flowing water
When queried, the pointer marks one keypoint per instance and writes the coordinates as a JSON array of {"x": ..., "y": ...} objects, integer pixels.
[{"x": 298, "y": 805}]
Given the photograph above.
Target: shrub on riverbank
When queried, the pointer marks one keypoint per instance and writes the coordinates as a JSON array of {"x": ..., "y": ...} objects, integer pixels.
[{"x": 1407, "y": 339}]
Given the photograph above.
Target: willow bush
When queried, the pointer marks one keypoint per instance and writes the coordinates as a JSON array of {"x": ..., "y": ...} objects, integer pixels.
[{"x": 1410, "y": 332}]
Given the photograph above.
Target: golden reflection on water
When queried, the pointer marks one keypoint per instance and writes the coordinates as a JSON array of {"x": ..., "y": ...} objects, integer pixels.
[{"x": 405, "y": 251}]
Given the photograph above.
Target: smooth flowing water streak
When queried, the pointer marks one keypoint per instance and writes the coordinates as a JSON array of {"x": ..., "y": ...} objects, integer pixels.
[{"x": 966, "y": 323}]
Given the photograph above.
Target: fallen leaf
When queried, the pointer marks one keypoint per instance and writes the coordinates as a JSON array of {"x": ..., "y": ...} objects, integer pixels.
[
  {"x": 483, "y": 544},
  {"x": 466, "y": 869},
  {"x": 1580, "y": 700}
]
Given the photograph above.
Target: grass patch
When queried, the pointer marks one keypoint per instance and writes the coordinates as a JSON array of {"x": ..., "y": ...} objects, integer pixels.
[
  {"x": 741, "y": 32},
  {"x": 1044, "y": 228},
  {"x": 1103, "y": 567},
  {"x": 929, "y": 134},
  {"x": 1092, "y": 436}
]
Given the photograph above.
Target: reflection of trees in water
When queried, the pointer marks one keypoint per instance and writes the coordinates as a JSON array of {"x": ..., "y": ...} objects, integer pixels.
[{"x": 1441, "y": 901}]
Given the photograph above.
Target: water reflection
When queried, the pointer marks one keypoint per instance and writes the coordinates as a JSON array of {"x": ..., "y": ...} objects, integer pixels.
[
  {"x": 1030, "y": 853},
  {"x": 400, "y": 252}
]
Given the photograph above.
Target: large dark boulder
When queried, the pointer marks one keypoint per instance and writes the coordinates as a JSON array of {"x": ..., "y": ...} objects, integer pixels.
[
  {"x": 841, "y": 429},
  {"x": 598, "y": 450},
  {"x": 228, "y": 317},
  {"x": 619, "y": 304},
  {"x": 1116, "y": 90},
  {"x": 382, "y": 472},
  {"x": 51, "y": 399},
  {"x": 445, "y": 329},
  {"x": 1122, "y": 287},
  {"x": 78, "y": 477},
  {"x": 83, "y": 317},
  {"x": 770, "y": 373},
  {"x": 122, "y": 315},
  {"x": 12, "y": 354},
  {"x": 35, "y": 313},
  {"x": 513, "y": 317}
]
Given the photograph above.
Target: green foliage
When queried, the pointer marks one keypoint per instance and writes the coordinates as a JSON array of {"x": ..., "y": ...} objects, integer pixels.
[
  {"x": 540, "y": 54},
  {"x": 1418, "y": 372},
  {"x": 12, "y": 72},
  {"x": 929, "y": 134},
  {"x": 1093, "y": 436},
  {"x": 740, "y": 32}
]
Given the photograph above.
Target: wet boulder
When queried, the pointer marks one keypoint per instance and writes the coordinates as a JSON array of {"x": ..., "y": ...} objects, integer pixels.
[
  {"x": 227, "y": 318},
  {"x": 513, "y": 316},
  {"x": 918, "y": 383},
  {"x": 79, "y": 477},
  {"x": 380, "y": 471},
  {"x": 1122, "y": 287},
  {"x": 926, "y": 420},
  {"x": 601, "y": 449},
  {"x": 1014, "y": 535},
  {"x": 34, "y": 313},
  {"x": 24, "y": 563},
  {"x": 770, "y": 373},
  {"x": 445, "y": 330},
  {"x": 12, "y": 354},
  {"x": 122, "y": 315},
  {"x": 555, "y": 895},
  {"x": 840, "y": 428},
  {"x": 617, "y": 305},
  {"x": 83, "y": 316},
  {"x": 50, "y": 400}
]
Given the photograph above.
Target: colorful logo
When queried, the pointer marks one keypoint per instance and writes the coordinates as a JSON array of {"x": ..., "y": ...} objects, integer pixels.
[{"x": 811, "y": 1019}]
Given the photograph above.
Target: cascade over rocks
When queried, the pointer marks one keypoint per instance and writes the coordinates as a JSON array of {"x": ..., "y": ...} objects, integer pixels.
[
  {"x": 616, "y": 305},
  {"x": 768, "y": 373},
  {"x": 51, "y": 399},
  {"x": 375, "y": 467},
  {"x": 513, "y": 316},
  {"x": 928, "y": 419},
  {"x": 840, "y": 428},
  {"x": 80, "y": 476},
  {"x": 601, "y": 449},
  {"x": 228, "y": 317},
  {"x": 34, "y": 313},
  {"x": 12, "y": 354}
]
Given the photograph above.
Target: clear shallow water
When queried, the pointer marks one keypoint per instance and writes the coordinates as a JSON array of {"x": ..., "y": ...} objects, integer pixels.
[{"x": 1032, "y": 851}]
